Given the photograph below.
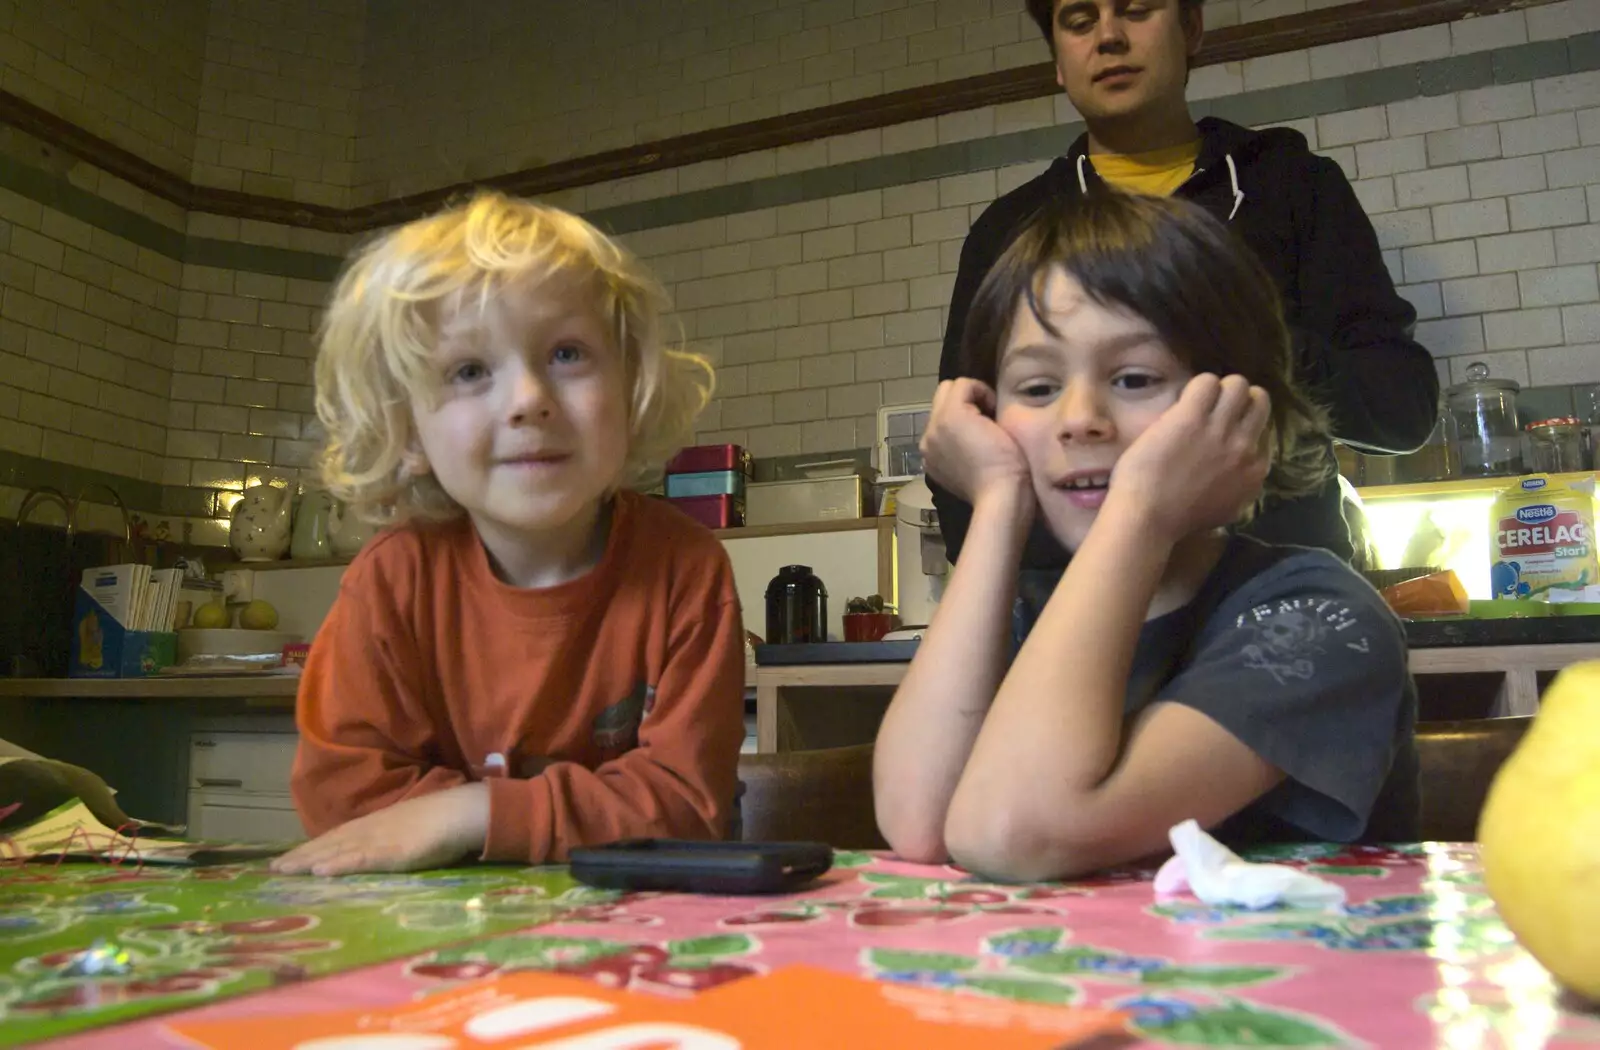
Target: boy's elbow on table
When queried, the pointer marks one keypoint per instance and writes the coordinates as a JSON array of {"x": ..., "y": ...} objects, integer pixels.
[
  {"x": 913, "y": 829},
  {"x": 915, "y": 844},
  {"x": 1010, "y": 844}
]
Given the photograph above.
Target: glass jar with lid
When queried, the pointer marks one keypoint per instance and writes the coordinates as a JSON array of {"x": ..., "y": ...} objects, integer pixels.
[
  {"x": 1481, "y": 421},
  {"x": 1557, "y": 445}
]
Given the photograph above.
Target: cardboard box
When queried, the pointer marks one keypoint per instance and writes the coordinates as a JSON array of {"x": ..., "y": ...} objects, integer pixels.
[{"x": 103, "y": 648}]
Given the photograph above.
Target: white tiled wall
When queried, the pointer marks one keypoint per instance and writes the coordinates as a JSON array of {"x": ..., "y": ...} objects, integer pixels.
[
  {"x": 509, "y": 85},
  {"x": 1487, "y": 203},
  {"x": 1489, "y": 208},
  {"x": 114, "y": 356},
  {"x": 117, "y": 68},
  {"x": 241, "y": 399},
  {"x": 277, "y": 110},
  {"x": 87, "y": 318},
  {"x": 504, "y": 85},
  {"x": 86, "y": 327}
]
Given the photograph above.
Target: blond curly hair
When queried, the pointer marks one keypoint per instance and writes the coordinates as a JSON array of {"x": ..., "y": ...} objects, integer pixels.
[{"x": 378, "y": 338}]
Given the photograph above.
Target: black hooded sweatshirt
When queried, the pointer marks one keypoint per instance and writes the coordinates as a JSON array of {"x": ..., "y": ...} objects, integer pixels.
[{"x": 1351, "y": 330}]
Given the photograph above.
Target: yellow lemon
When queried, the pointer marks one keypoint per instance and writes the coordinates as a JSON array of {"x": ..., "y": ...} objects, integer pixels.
[
  {"x": 258, "y": 616},
  {"x": 1540, "y": 833},
  {"x": 212, "y": 614}
]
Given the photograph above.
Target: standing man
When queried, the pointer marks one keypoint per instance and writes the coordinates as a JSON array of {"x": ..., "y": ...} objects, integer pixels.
[{"x": 1125, "y": 65}]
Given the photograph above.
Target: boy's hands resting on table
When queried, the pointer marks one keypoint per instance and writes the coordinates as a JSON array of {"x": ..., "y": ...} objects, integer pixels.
[
  {"x": 430, "y": 831},
  {"x": 1201, "y": 463},
  {"x": 965, "y": 450}
]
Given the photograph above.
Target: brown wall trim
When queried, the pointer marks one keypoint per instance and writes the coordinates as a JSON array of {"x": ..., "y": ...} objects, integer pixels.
[
  {"x": 1331, "y": 25},
  {"x": 69, "y": 138}
]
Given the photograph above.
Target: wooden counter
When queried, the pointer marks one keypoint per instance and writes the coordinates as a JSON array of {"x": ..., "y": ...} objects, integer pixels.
[
  {"x": 179, "y": 687},
  {"x": 262, "y": 687},
  {"x": 779, "y": 687}
]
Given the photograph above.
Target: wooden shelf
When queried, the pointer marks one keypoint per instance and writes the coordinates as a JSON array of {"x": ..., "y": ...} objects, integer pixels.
[
  {"x": 1454, "y": 487},
  {"x": 178, "y": 687},
  {"x": 172, "y": 687},
  {"x": 801, "y": 528},
  {"x": 748, "y": 532},
  {"x": 288, "y": 563}
]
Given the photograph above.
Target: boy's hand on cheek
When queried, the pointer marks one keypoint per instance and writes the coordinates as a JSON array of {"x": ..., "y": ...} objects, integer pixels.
[
  {"x": 431, "y": 831},
  {"x": 965, "y": 450},
  {"x": 1200, "y": 464}
]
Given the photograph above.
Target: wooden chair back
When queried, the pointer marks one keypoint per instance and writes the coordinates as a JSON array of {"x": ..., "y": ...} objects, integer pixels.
[
  {"x": 1457, "y": 762},
  {"x": 810, "y": 796},
  {"x": 826, "y": 795}
]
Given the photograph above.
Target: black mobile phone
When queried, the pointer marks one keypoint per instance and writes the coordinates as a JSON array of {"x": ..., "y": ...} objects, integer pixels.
[{"x": 724, "y": 868}]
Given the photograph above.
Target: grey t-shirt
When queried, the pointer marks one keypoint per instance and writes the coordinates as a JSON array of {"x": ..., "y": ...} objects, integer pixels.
[{"x": 1292, "y": 652}]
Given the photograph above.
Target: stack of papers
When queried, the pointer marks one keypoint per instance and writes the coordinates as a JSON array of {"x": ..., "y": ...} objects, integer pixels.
[
  {"x": 51, "y": 810},
  {"x": 136, "y": 596}
]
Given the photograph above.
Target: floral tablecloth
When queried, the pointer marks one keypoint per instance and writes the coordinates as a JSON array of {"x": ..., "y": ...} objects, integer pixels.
[{"x": 1416, "y": 958}]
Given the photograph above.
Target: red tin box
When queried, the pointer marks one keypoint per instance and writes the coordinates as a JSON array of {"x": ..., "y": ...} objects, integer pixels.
[
  {"x": 720, "y": 511},
  {"x": 701, "y": 459}
]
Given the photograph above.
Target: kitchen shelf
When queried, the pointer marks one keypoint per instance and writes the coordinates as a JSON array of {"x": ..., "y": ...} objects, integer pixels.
[
  {"x": 1453, "y": 487},
  {"x": 800, "y": 528},
  {"x": 747, "y": 532},
  {"x": 173, "y": 687},
  {"x": 285, "y": 563}
]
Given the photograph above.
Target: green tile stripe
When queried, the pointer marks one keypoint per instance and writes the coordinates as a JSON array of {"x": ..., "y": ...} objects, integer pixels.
[
  {"x": 142, "y": 497},
  {"x": 56, "y": 193},
  {"x": 1510, "y": 65},
  {"x": 261, "y": 258}
]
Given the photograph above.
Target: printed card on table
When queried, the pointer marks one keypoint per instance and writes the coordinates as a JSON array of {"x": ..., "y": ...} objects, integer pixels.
[{"x": 793, "y": 1006}]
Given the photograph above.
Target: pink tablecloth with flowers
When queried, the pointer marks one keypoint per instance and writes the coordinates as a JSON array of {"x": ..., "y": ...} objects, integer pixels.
[{"x": 1416, "y": 958}]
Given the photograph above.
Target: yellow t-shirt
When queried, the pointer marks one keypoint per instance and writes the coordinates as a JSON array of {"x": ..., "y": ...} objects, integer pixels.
[{"x": 1156, "y": 173}]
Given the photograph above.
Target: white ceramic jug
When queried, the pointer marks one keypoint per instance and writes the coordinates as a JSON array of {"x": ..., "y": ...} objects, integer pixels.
[
  {"x": 260, "y": 523},
  {"x": 347, "y": 531}
]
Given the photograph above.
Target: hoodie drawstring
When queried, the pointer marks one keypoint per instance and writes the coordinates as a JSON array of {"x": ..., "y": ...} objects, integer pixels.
[
  {"x": 1227, "y": 158},
  {"x": 1233, "y": 177}
]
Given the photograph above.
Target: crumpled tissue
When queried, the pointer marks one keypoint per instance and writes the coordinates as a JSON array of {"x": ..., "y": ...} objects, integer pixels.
[{"x": 1217, "y": 875}]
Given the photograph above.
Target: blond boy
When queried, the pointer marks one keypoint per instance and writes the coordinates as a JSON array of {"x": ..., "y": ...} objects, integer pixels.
[{"x": 531, "y": 657}]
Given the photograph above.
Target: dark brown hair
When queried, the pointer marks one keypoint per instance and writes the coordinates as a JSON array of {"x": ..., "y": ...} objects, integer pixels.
[
  {"x": 1178, "y": 267},
  {"x": 1043, "y": 12}
]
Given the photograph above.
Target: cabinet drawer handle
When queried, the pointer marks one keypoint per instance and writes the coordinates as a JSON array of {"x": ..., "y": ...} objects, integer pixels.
[{"x": 219, "y": 782}]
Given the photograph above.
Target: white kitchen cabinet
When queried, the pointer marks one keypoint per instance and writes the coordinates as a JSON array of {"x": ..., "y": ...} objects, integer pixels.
[{"x": 239, "y": 787}]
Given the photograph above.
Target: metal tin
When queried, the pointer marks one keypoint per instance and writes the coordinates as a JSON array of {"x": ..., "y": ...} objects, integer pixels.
[
  {"x": 700, "y": 459},
  {"x": 714, "y": 512},
  {"x": 814, "y": 499},
  {"x": 706, "y": 483}
]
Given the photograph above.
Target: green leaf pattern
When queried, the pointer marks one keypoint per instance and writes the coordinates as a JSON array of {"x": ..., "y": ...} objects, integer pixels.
[
  {"x": 717, "y": 946},
  {"x": 1023, "y": 989},
  {"x": 1242, "y": 1024},
  {"x": 886, "y": 960}
]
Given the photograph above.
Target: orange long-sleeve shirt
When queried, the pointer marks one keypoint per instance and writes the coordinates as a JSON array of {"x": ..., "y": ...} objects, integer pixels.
[{"x": 615, "y": 700}]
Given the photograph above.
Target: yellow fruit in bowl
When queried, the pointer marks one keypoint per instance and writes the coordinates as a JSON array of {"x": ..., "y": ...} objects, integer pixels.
[
  {"x": 1540, "y": 833},
  {"x": 258, "y": 616},
  {"x": 211, "y": 615}
]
